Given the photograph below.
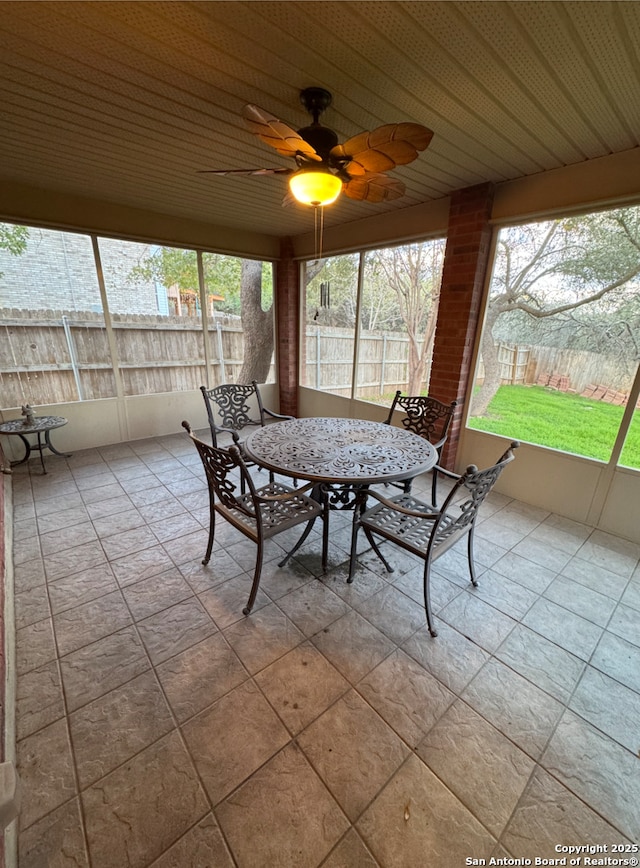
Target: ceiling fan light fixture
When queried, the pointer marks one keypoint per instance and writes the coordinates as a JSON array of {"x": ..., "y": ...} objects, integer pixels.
[{"x": 315, "y": 186}]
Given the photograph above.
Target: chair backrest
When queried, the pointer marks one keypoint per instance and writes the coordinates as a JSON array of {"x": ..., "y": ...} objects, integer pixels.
[
  {"x": 231, "y": 401},
  {"x": 460, "y": 509},
  {"x": 425, "y": 416},
  {"x": 219, "y": 465}
]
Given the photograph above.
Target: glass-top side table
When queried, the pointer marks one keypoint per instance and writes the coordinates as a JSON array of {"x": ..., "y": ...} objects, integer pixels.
[{"x": 41, "y": 425}]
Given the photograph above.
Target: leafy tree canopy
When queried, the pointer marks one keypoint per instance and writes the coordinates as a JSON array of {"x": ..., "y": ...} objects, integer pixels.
[
  {"x": 172, "y": 266},
  {"x": 13, "y": 238}
]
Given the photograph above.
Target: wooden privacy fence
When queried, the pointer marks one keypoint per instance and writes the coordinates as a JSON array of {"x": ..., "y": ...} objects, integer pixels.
[
  {"x": 382, "y": 361},
  {"x": 52, "y": 357},
  {"x": 589, "y": 374},
  {"x": 56, "y": 356}
]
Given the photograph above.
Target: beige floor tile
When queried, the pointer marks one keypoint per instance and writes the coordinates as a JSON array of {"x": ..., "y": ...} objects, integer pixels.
[
  {"x": 134, "y": 814},
  {"x": 81, "y": 587},
  {"x": 199, "y": 676},
  {"x": 98, "y": 668},
  {"x": 406, "y": 696},
  {"x": 140, "y": 565},
  {"x": 414, "y": 815},
  {"x": 354, "y": 752},
  {"x": 153, "y": 594},
  {"x": 515, "y": 706},
  {"x": 303, "y": 820},
  {"x": 548, "y": 815},
  {"x": 262, "y": 637},
  {"x": 353, "y": 645},
  {"x": 451, "y": 657},
  {"x": 598, "y": 770},
  {"x": 480, "y": 766},
  {"x": 619, "y": 659},
  {"x": 127, "y": 542},
  {"x": 73, "y": 560},
  {"x": 313, "y": 607},
  {"x": 114, "y": 727},
  {"x": 67, "y": 538},
  {"x": 301, "y": 685},
  {"x": 232, "y": 738},
  {"x": 225, "y": 602},
  {"x": 543, "y": 662},
  {"x": 39, "y": 699},
  {"x": 91, "y": 621},
  {"x": 35, "y": 646},
  {"x": 46, "y": 772},
  {"x": 477, "y": 620},
  {"x": 201, "y": 847},
  {"x": 351, "y": 852},
  {"x": 173, "y": 630},
  {"x": 565, "y": 628},
  {"x": 55, "y": 841},
  {"x": 393, "y": 613}
]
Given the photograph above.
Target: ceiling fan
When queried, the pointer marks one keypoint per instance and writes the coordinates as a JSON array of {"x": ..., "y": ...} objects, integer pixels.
[{"x": 325, "y": 169}]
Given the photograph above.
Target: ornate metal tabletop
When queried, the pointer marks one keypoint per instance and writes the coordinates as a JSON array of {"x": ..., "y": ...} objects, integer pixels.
[
  {"x": 342, "y": 451},
  {"x": 38, "y": 425}
]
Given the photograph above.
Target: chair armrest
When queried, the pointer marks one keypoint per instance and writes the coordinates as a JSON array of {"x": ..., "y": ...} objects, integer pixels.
[
  {"x": 446, "y": 472},
  {"x": 220, "y": 429},
  {"x": 276, "y": 415},
  {"x": 286, "y": 495},
  {"x": 392, "y": 504}
]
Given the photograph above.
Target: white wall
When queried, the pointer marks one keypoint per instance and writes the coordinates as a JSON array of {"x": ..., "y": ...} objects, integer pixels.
[
  {"x": 577, "y": 488},
  {"x": 113, "y": 420}
]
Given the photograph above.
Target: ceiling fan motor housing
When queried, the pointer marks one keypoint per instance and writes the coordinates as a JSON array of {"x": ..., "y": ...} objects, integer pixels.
[{"x": 321, "y": 139}]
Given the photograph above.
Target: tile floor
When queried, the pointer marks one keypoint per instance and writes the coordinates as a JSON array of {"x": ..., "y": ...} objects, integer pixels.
[{"x": 157, "y": 726}]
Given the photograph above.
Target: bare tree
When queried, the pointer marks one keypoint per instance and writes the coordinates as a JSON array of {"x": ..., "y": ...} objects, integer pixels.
[
  {"x": 414, "y": 273},
  {"x": 549, "y": 269}
]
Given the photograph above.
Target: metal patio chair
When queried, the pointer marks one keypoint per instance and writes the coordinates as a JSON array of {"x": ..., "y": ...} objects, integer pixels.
[
  {"x": 231, "y": 401},
  {"x": 429, "y": 418},
  {"x": 258, "y": 513},
  {"x": 423, "y": 530}
]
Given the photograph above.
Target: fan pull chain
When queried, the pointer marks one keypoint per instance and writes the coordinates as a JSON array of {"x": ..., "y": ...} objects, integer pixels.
[{"x": 318, "y": 230}]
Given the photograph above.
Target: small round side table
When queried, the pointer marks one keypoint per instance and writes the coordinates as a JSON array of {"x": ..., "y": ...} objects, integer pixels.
[{"x": 40, "y": 425}]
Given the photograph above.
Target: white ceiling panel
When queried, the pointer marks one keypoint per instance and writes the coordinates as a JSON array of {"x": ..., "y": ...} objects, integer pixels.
[{"x": 127, "y": 101}]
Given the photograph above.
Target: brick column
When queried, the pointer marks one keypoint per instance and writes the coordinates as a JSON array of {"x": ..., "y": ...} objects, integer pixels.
[
  {"x": 287, "y": 332},
  {"x": 465, "y": 265}
]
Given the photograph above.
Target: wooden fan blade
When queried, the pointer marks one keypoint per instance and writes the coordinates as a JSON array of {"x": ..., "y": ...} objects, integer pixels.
[
  {"x": 276, "y": 134},
  {"x": 382, "y": 149},
  {"x": 246, "y": 171},
  {"x": 373, "y": 188}
]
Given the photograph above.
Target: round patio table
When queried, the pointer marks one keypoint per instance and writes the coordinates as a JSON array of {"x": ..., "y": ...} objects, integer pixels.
[
  {"x": 346, "y": 453},
  {"x": 40, "y": 425}
]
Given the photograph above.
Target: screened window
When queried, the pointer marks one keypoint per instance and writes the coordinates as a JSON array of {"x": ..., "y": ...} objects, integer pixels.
[
  {"x": 331, "y": 295},
  {"x": 54, "y": 346},
  {"x": 153, "y": 298},
  {"x": 369, "y": 342},
  {"x": 561, "y": 338}
]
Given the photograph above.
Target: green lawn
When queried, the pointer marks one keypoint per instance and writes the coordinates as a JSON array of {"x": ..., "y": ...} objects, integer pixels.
[{"x": 567, "y": 422}]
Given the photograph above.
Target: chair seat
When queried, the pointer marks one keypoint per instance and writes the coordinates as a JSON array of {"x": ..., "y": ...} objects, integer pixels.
[
  {"x": 278, "y": 515},
  {"x": 410, "y": 531}
]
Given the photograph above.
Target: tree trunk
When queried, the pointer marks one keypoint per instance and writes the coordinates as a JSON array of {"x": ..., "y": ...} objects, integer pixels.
[
  {"x": 491, "y": 368},
  {"x": 257, "y": 325}
]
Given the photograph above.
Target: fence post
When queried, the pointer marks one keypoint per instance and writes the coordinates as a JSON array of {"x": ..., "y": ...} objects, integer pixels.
[
  {"x": 223, "y": 375},
  {"x": 72, "y": 355},
  {"x": 383, "y": 363},
  {"x": 318, "y": 357}
]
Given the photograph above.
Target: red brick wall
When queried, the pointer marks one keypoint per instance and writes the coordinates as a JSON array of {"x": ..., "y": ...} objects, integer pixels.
[
  {"x": 465, "y": 265},
  {"x": 287, "y": 298}
]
